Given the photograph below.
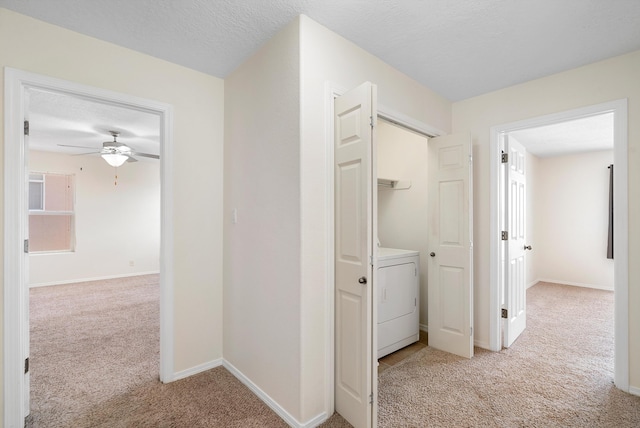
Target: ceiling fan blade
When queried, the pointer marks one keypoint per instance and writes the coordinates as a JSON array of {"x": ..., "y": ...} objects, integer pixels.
[
  {"x": 88, "y": 153},
  {"x": 131, "y": 159},
  {"x": 79, "y": 147},
  {"x": 146, "y": 155}
]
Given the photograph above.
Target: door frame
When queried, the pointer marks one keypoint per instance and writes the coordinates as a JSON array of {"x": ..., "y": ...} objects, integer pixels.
[
  {"x": 333, "y": 90},
  {"x": 17, "y": 82},
  {"x": 621, "y": 226}
]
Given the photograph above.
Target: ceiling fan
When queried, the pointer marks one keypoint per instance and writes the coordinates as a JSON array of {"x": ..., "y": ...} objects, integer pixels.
[{"x": 115, "y": 153}]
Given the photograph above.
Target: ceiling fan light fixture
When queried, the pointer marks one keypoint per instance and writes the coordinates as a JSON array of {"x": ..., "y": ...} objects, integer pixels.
[{"x": 114, "y": 159}]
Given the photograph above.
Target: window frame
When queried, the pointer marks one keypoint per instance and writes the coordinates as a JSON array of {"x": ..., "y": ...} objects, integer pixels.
[{"x": 44, "y": 212}]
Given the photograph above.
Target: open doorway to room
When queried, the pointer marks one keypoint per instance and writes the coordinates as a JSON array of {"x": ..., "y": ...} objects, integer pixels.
[
  {"x": 567, "y": 205},
  {"x": 559, "y": 223},
  {"x": 19, "y": 85},
  {"x": 94, "y": 235},
  {"x": 561, "y": 216},
  {"x": 402, "y": 242}
]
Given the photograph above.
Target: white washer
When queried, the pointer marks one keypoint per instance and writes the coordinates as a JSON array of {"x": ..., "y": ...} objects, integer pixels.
[{"x": 398, "y": 310}]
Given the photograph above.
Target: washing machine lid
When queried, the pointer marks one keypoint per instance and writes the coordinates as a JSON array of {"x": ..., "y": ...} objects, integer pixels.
[{"x": 394, "y": 253}]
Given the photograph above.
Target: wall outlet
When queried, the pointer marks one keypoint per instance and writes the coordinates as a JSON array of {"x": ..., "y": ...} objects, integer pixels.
[{"x": 132, "y": 263}]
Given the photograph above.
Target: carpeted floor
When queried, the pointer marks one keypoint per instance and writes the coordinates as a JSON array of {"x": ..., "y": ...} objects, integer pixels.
[
  {"x": 559, "y": 373},
  {"x": 94, "y": 363}
]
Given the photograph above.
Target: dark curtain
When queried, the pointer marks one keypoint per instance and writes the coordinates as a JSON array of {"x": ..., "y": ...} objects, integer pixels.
[{"x": 610, "y": 240}]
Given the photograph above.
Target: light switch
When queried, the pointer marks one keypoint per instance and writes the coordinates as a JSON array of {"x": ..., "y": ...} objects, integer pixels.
[{"x": 234, "y": 216}]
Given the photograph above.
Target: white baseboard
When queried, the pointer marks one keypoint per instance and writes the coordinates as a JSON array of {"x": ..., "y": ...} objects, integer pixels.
[
  {"x": 531, "y": 284},
  {"x": 424, "y": 327},
  {"x": 634, "y": 390},
  {"x": 197, "y": 369},
  {"x": 314, "y": 422},
  {"x": 576, "y": 284},
  {"x": 481, "y": 344},
  {"x": 97, "y": 278},
  {"x": 273, "y": 405}
]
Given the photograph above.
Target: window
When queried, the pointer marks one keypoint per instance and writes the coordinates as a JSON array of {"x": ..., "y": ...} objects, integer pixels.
[{"x": 51, "y": 216}]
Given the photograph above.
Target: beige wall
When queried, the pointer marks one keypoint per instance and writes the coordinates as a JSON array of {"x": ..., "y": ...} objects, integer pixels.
[
  {"x": 616, "y": 78},
  {"x": 262, "y": 250},
  {"x": 402, "y": 214},
  {"x": 276, "y": 177},
  {"x": 532, "y": 166},
  {"x": 571, "y": 216},
  {"x": 113, "y": 224},
  {"x": 197, "y": 100},
  {"x": 327, "y": 57}
]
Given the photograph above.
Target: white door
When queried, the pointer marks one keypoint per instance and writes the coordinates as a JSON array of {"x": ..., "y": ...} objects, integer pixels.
[
  {"x": 450, "y": 267},
  {"x": 355, "y": 341},
  {"x": 515, "y": 319}
]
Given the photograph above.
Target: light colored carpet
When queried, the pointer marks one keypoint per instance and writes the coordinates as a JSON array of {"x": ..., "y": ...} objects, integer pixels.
[
  {"x": 94, "y": 363},
  {"x": 559, "y": 373}
]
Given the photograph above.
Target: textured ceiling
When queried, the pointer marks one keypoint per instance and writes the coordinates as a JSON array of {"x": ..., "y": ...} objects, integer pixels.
[
  {"x": 583, "y": 135},
  {"x": 61, "y": 119},
  {"x": 458, "y": 48}
]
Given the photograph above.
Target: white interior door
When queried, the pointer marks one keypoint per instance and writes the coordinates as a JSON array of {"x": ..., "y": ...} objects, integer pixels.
[
  {"x": 450, "y": 267},
  {"x": 355, "y": 341},
  {"x": 515, "y": 296}
]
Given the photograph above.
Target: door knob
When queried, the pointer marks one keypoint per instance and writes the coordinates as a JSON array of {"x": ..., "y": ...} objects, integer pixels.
[
  {"x": 362, "y": 280},
  {"x": 527, "y": 247},
  {"x": 432, "y": 254}
]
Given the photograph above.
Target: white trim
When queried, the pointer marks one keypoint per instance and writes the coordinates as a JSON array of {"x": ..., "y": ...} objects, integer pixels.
[
  {"x": 404, "y": 121},
  {"x": 424, "y": 327},
  {"x": 16, "y": 83},
  {"x": 481, "y": 344},
  {"x": 574, "y": 284},
  {"x": 621, "y": 226},
  {"x": 14, "y": 268},
  {"x": 166, "y": 244},
  {"x": 634, "y": 390},
  {"x": 97, "y": 278},
  {"x": 198, "y": 369},
  {"x": 314, "y": 422},
  {"x": 332, "y": 91},
  {"x": 532, "y": 283},
  {"x": 273, "y": 404}
]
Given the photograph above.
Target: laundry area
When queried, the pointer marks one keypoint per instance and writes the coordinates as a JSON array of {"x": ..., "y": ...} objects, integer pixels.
[{"x": 402, "y": 236}]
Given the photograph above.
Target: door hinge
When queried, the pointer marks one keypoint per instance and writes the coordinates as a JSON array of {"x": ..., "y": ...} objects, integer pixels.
[
  {"x": 471, "y": 331},
  {"x": 26, "y": 127},
  {"x": 26, "y": 246},
  {"x": 371, "y": 398},
  {"x": 371, "y": 260},
  {"x": 470, "y": 159},
  {"x": 372, "y": 121},
  {"x": 505, "y": 313},
  {"x": 26, "y": 365},
  {"x": 504, "y": 235},
  {"x": 415, "y": 301},
  {"x": 504, "y": 157}
]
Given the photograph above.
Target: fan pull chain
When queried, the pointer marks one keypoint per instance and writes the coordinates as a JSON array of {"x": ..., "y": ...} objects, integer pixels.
[{"x": 116, "y": 173}]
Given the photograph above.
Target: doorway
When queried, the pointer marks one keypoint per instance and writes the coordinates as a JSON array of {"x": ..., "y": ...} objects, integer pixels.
[
  {"x": 16, "y": 301},
  {"x": 619, "y": 111},
  {"x": 353, "y": 229},
  {"x": 102, "y": 261}
]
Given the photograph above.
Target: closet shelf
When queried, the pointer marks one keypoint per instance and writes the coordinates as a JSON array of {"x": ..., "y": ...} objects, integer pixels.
[{"x": 387, "y": 183}]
